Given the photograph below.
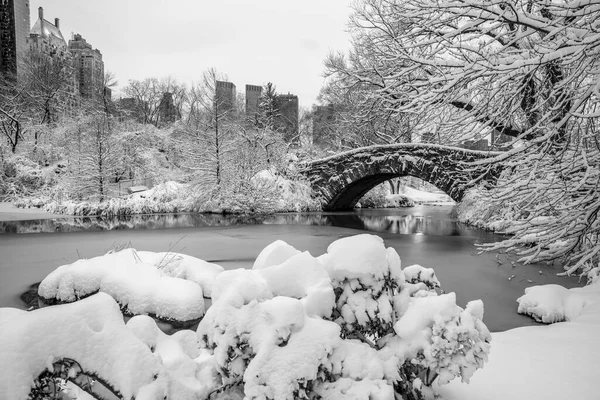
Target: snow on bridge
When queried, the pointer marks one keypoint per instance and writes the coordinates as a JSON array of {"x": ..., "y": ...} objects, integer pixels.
[{"x": 342, "y": 179}]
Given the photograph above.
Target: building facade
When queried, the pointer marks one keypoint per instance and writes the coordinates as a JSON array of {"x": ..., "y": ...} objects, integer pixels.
[
  {"x": 253, "y": 94},
  {"x": 88, "y": 68},
  {"x": 225, "y": 96},
  {"x": 287, "y": 120},
  {"x": 14, "y": 31},
  {"x": 324, "y": 120},
  {"x": 47, "y": 49}
]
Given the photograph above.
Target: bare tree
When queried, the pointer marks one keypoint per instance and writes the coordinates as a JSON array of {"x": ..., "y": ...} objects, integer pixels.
[
  {"x": 210, "y": 129},
  {"x": 48, "y": 82}
]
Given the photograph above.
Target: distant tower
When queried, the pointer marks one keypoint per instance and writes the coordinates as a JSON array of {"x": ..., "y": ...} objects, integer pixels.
[
  {"x": 166, "y": 110},
  {"x": 89, "y": 68},
  {"x": 225, "y": 96},
  {"x": 323, "y": 124},
  {"x": 14, "y": 30},
  {"x": 253, "y": 94},
  {"x": 287, "y": 120}
]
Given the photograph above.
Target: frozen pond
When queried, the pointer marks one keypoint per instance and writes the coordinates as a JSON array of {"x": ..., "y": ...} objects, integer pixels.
[{"x": 422, "y": 235}]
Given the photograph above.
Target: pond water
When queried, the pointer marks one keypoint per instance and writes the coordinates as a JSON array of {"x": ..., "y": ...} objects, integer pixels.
[{"x": 425, "y": 235}]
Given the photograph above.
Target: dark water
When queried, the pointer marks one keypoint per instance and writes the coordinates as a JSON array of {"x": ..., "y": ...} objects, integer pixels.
[
  {"x": 420, "y": 220},
  {"x": 425, "y": 235}
]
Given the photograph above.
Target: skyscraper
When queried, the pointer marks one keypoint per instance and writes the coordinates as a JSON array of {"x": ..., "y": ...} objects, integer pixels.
[
  {"x": 253, "y": 93},
  {"x": 88, "y": 67},
  {"x": 225, "y": 96},
  {"x": 287, "y": 120},
  {"x": 14, "y": 30}
]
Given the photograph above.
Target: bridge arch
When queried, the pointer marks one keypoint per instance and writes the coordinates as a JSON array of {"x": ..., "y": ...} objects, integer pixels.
[{"x": 341, "y": 180}]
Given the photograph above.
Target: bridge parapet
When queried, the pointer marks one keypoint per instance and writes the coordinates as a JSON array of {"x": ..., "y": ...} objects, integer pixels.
[{"x": 341, "y": 180}]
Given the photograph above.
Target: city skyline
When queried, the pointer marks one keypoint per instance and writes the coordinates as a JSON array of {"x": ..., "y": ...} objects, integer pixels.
[{"x": 142, "y": 39}]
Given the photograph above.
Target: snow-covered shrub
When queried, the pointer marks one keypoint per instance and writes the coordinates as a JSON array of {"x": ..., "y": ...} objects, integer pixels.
[
  {"x": 90, "y": 332},
  {"x": 379, "y": 331},
  {"x": 169, "y": 286},
  {"x": 21, "y": 178},
  {"x": 476, "y": 209},
  {"x": 87, "y": 343},
  {"x": 375, "y": 198},
  {"x": 399, "y": 200}
]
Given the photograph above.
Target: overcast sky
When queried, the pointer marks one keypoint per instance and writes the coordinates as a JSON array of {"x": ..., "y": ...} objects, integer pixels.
[{"x": 251, "y": 41}]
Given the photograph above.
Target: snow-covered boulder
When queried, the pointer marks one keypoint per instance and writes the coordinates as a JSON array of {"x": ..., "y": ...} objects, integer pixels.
[
  {"x": 166, "y": 285},
  {"x": 186, "y": 267},
  {"x": 555, "y": 303}
]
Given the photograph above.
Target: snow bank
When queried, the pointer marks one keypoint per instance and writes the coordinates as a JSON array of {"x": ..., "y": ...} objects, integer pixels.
[
  {"x": 554, "y": 303},
  {"x": 551, "y": 362},
  {"x": 167, "y": 285},
  {"x": 90, "y": 331},
  {"x": 185, "y": 267},
  {"x": 425, "y": 197}
]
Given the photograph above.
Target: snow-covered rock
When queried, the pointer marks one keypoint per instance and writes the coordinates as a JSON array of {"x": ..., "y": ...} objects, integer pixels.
[
  {"x": 167, "y": 285},
  {"x": 554, "y": 303}
]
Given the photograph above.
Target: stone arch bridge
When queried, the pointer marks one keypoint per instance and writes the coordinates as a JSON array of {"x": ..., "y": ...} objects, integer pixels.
[{"x": 341, "y": 180}]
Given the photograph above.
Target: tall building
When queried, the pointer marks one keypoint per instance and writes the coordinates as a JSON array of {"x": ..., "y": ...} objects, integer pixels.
[
  {"x": 253, "y": 94},
  {"x": 14, "y": 30},
  {"x": 167, "y": 112},
  {"x": 225, "y": 96},
  {"x": 287, "y": 120},
  {"x": 46, "y": 42},
  {"x": 88, "y": 68},
  {"x": 324, "y": 119}
]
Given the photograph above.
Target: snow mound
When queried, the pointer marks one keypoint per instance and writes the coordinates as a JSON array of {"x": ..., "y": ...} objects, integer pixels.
[
  {"x": 301, "y": 277},
  {"x": 179, "y": 355},
  {"x": 185, "y": 267},
  {"x": 138, "y": 286},
  {"x": 554, "y": 303},
  {"x": 362, "y": 257},
  {"x": 90, "y": 331},
  {"x": 274, "y": 254}
]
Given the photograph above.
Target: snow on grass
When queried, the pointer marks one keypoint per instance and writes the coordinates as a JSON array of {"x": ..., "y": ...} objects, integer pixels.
[
  {"x": 426, "y": 197},
  {"x": 90, "y": 331},
  {"x": 167, "y": 285},
  {"x": 554, "y": 362}
]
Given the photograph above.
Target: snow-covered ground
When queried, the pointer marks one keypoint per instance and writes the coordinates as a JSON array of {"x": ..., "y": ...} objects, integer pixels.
[
  {"x": 554, "y": 362},
  {"x": 425, "y": 197}
]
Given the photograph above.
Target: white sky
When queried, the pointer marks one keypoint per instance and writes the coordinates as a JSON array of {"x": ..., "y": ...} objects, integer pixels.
[{"x": 251, "y": 41}]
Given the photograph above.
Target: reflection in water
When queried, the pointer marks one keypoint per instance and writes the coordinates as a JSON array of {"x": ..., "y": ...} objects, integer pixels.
[{"x": 433, "y": 221}]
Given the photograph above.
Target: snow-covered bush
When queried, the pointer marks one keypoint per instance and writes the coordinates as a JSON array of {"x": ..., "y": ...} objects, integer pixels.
[
  {"x": 476, "y": 209},
  {"x": 349, "y": 321},
  {"x": 375, "y": 198},
  {"x": 21, "y": 177}
]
